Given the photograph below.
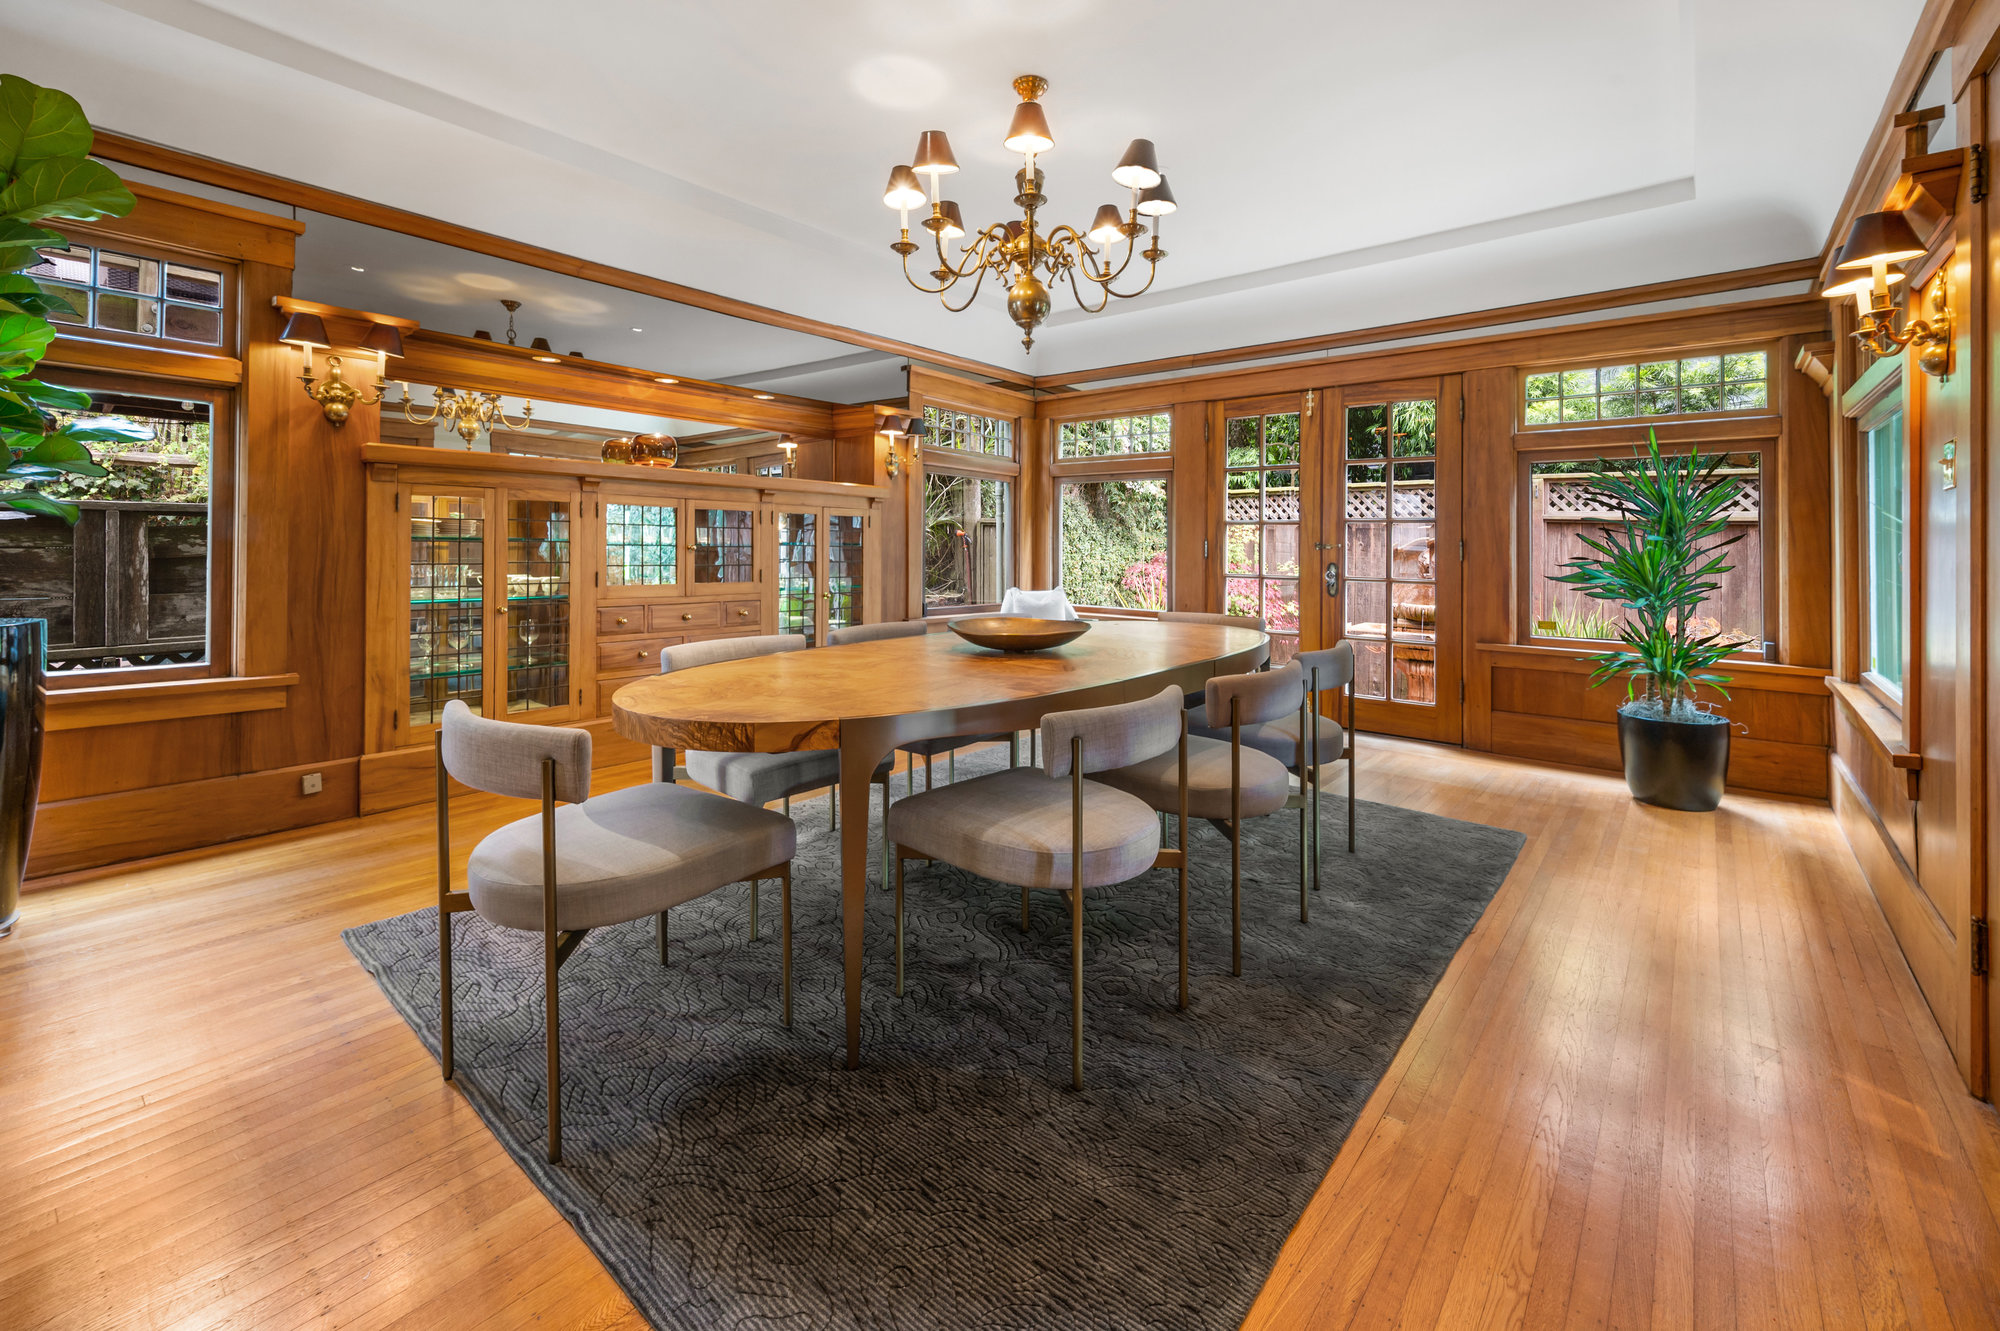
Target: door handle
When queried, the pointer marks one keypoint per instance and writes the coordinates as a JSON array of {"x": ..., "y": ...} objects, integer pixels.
[{"x": 1332, "y": 577}]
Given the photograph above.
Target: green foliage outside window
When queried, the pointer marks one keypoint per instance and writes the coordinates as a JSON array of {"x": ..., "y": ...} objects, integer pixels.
[
  {"x": 1114, "y": 543},
  {"x": 1153, "y": 433},
  {"x": 1731, "y": 381}
]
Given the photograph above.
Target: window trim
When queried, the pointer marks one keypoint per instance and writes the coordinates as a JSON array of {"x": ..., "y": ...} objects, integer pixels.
[
  {"x": 1768, "y": 468},
  {"x": 148, "y": 248},
  {"x": 1772, "y": 370},
  {"x": 1011, "y": 541},
  {"x": 1885, "y": 405},
  {"x": 1164, "y": 475},
  {"x": 222, "y": 579}
]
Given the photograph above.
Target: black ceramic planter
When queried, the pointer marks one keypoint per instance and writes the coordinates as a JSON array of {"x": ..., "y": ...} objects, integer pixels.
[
  {"x": 1675, "y": 764},
  {"x": 22, "y": 642}
]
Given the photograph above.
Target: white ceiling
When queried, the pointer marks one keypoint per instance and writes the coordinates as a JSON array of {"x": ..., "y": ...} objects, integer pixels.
[{"x": 1338, "y": 164}]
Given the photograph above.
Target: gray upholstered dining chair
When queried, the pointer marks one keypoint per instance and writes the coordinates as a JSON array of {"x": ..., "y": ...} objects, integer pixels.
[
  {"x": 927, "y": 749},
  {"x": 1327, "y": 739},
  {"x": 591, "y": 863},
  {"x": 759, "y": 778},
  {"x": 1033, "y": 828},
  {"x": 1224, "y": 780}
]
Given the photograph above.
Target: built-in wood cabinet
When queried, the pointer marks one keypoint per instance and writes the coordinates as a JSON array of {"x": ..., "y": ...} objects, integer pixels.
[{"x": 534, "y": 588}]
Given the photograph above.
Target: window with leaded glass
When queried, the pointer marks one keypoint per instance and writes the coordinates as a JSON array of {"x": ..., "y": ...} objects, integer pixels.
[
  {"x": 1639, "y": 390},
  {"x": 141, "y": 295},
  {"x": 968, "y": 432},
  {"x": 1116, "y": 436}
]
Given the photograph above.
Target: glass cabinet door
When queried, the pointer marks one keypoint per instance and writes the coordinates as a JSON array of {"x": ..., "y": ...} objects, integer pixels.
[
  {"x": 447, "y": 575},
  {"x": 537, "y": 612},
  {"x": 641, "y": 544},
  {"x": 845, "y": 578},
  {"x": 798, "y": 575},
  {"x": 722, "y": 544}
]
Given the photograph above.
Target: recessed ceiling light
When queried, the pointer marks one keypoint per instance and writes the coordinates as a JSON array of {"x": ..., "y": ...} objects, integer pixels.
[
  {"x": 638, "y": 330},
  {"x": 357, "y": 268},
  {"x": 765, "y": 397},
  {"x": 664, "y": 380},
  {"x": 549, "y": 360}
]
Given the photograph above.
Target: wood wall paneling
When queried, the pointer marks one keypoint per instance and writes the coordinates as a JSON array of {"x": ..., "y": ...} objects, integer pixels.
[{"x": 1490, "y": 479}]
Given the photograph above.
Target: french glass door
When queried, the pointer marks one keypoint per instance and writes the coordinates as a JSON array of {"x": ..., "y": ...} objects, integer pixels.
[
  {"x": 1389, "y": 571},
  {"x": 1263, "y": 517}
]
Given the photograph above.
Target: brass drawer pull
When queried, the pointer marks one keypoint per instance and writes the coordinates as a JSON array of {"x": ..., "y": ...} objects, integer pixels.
[
  {"x": 622, "y": 619},
  {"x": 744, "y": 613},
  {"x": 687, "y": 614},
  {"x": 642, "y": 654}
]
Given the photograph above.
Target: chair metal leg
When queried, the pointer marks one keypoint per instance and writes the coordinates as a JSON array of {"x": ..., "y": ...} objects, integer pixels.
[
  {"x": 663, "y": 938},
  {"x": 951, "y": 767},
  {"x": 1076, "y": 988},
  {"x": 833, "y": 804},
  {"x": 753, "y": 910},
  {"x": 900, "y": 861},
  {"x": 930, "y": 775},
  {"x": 1013, "y": 749},
  {"x": 885, "y": 831},
  {"x": 1305, "y": 799},
  {"x": 1181, "y": 819},
  {"x": 1318, "y": 776},
  {"x": 785, "y": 878},
  {"x": 1235, "y": 838},
  {"x": 788, "y": 806},
  {"x": 1305, "y": 875},
  {"x": 551, "y": 959}
]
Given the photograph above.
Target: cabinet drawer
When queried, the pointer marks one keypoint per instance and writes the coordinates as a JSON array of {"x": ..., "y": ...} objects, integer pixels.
[
  {"x": 742, "y": 614},
  {"x": 607, "y": 687},
  {"x": 618, "y": 621},
  {"x": 679, "y": 615},
  {"x": 634, "y": 656}
]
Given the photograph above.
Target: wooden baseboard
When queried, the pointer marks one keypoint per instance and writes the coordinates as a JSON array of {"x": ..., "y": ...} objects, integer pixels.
[
  {"x": 94, "y": 830},
  {"x": 1754, "y": 764}
]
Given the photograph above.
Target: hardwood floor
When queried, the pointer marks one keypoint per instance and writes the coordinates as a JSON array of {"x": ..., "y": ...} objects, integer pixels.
[{"x": 1679, "y": 1076}]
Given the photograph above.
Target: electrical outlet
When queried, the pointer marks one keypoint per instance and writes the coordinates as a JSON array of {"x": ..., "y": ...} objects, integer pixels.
[{"x": 309, "y": 784}]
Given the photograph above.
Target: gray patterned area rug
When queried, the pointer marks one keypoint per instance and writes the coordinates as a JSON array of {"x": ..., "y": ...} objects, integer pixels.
[{"x": 731, "y": 1173}]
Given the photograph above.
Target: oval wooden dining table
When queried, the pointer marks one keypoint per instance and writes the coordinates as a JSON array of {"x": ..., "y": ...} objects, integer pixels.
[{"x": 866, "y": 698}]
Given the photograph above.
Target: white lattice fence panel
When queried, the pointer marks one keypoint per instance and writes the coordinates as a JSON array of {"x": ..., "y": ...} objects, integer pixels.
[{"x": 1575, "y": 501}]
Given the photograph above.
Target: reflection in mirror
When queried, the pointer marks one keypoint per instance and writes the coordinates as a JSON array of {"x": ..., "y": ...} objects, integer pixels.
[{"x": 566, "y": 430}]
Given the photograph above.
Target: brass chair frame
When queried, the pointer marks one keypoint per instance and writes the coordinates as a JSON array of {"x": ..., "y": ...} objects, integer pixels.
[
  {"x": 1168, "y": 858},
  {"x": 558, "y": 945}
]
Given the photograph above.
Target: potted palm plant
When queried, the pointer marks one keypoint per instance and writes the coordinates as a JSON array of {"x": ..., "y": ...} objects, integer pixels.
[{"x": 1660, "y": 563}]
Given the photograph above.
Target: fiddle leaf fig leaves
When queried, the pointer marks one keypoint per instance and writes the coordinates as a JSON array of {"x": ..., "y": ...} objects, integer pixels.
[
  {"x": 45, "y": 172},
  {"x": 37, "y": 124}
]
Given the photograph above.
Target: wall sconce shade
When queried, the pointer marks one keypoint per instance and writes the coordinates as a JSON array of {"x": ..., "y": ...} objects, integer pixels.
[
  {"x": 384, "y": 338},
  {"x": 306, "y": 330},
  {"x": 933, "y": 154},
  {"x": 1139, "y": 168},
  {"x": 1885, "y": 237}
]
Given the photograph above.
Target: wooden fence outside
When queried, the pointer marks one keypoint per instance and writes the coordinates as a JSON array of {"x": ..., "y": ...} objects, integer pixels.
[{"x": 128, "y": 583}]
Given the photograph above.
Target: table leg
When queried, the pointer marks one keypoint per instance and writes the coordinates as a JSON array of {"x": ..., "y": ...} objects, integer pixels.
[{"x": 861, "y": 748}]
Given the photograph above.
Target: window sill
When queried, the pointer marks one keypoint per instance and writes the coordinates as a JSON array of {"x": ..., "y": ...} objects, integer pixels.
[
  {"x": 1882, "y": 727},
  {"x": 171, "y": 700}
]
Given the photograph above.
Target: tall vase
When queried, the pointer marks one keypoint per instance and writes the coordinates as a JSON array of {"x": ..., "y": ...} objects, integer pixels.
[{"x": 22, "y": 646}]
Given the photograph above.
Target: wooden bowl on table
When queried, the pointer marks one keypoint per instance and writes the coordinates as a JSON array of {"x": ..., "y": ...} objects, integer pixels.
[{"x": 1017, "y": 633}]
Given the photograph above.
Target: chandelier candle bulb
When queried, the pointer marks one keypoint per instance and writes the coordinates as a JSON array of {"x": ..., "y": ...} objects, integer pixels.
[{"x": 1017, "y": 254}]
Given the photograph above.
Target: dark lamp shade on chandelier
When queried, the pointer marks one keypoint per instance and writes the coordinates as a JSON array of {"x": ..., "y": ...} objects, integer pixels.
[
  {"x": 1157, "y": 201},
  {"x": 1030, "y": 131},
  {"x": 305, "y": 330},
  {"x": 1139, "y": 168},
  {"x": 954, "y": 221},
  {"x": 1874, "y": 238},
  {"x": 905, "y": 190},
  {"x": 933, "y": 155},
  {"x": 1108, "y": 227}
]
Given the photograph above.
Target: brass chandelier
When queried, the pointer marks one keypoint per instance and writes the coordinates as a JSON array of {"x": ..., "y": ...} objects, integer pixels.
[{"x": 1013, "y": 251}]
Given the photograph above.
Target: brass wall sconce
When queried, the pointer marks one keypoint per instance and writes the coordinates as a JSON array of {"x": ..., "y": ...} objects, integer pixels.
[
  {"x": 899, "y": 428},
  {"x": 1874, "y": 242},
  {"x": 466, "y": 412},
  {"x": 336, "y": 397},
  {"x": 791, "y": 447}
]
